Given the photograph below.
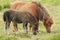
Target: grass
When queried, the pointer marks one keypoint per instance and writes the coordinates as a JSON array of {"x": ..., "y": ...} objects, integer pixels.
[{"x": 54, "y": 10}]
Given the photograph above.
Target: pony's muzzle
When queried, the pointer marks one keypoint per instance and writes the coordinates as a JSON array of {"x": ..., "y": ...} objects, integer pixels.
[
  {"x": 49, "y": 31},
  {"x": 34, "y": 33}
]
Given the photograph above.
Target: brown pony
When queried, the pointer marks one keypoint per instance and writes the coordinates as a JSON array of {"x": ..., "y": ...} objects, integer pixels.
[{"x": 37, "y": 10}]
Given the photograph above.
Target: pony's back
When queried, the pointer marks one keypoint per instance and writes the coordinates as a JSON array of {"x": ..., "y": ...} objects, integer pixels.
[{"x": 19, "y": 16}]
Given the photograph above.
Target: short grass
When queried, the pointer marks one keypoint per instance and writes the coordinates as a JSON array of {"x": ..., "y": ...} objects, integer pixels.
[{"x": 54, "y": 10}]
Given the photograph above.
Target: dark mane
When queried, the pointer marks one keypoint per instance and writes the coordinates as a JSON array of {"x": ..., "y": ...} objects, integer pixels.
[{"x": 42, "y": 10}]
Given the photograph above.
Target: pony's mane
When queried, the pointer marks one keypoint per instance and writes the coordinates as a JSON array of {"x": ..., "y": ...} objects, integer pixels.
[
  {"x": 42, "y": 7},
  {"x": 46, "y": 13}
]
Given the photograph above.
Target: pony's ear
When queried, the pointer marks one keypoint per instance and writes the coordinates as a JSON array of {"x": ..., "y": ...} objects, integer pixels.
[
  {"x": 51, "y": 21},
  {"x": 44, "y": 20}
]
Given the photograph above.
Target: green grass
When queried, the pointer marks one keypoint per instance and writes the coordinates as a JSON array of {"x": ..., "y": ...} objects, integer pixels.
[{"x": 54, "y": 9}]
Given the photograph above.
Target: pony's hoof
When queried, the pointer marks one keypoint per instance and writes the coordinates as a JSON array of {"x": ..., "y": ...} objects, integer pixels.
[
  {"x": 34, "y": 33},
  {"x": 49, "y": 31}
]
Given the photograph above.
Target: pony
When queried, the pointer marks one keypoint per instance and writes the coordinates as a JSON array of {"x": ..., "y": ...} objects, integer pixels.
[
  {"x": 37, "y": 10},
  {"x": 20, "y": 17}
]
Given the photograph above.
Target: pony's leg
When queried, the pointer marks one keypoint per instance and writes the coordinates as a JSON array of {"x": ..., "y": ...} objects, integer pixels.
[
  {"x": 35, "y": 29},
  {"x": 30, "y": 27},
  {"x": 15, "y": 27},
  {"x": 7, "y": 25},
  {"x": 25, "y": 27}
]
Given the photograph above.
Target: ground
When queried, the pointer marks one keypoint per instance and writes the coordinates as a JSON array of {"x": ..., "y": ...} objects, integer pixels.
[{"x": 54, "y": 11}]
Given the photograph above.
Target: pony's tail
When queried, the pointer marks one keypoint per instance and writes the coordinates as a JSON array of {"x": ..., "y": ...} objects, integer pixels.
[{"x": 6, "y": 16}]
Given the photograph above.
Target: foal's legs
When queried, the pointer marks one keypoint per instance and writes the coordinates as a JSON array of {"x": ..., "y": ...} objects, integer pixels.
[
  {"x": 15, "y": 27},
  {"x": 25, "y": 27},
  {"x": 7, "y": 25},
  {"x": 30, "y": 27}
]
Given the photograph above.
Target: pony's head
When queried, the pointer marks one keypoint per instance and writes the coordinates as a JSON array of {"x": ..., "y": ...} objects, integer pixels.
[{"x": 48, "y": 23}]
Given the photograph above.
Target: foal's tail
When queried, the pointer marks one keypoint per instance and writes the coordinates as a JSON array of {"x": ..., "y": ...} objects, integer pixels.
[{"x": 6, "y": 16}]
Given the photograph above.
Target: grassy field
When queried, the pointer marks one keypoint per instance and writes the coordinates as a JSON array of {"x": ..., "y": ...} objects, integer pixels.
[{"x": 54, "y": 9}]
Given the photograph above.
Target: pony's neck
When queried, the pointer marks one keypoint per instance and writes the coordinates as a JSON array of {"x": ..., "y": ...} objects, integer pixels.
[{"x": 43, "y": 13}]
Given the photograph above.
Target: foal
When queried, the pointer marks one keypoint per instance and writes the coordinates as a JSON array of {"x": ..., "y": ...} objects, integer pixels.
[{"x": 20, "y": 17}]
